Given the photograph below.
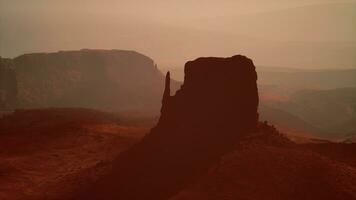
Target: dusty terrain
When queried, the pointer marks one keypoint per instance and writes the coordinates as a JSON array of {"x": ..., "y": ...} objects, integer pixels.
[
  {"x": 49, "y": 154},
  {"x": 258, "y": 169},
  {"x": 54, "y": 153}
]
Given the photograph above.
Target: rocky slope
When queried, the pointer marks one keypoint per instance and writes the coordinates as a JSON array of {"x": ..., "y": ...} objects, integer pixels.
[
  {"x": 295, "y": 127},
  {"x": 271, "y": 172}
]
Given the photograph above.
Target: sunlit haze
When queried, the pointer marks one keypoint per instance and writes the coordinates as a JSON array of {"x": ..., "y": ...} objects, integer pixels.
[
  {"x": 177, "y": 99},
  {"x": 294, "y": 33}
]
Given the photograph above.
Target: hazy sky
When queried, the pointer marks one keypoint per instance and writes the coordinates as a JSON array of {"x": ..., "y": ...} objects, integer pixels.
[
  {"x": 157, "y": 10},
  {"x": 171, "y": 32}
]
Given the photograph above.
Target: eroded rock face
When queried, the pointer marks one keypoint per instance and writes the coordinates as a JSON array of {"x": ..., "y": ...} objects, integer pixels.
[
  {"x": 217, "y": 93},
  {"x": 8, "y": 85},
  {"x": 113, "y": 80},
  {"x": 215, "y": 107}
]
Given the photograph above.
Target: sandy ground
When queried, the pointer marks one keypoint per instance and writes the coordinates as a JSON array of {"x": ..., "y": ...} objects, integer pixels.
[
  {"x": 42, "y": 167},
  {"x": 267, "y": 172},
  {"x": 54, "y": 154}
]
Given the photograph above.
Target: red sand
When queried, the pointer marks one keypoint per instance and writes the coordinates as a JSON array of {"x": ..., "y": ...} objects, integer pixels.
[
  {"x": 265, "y": 172},
  {"x": 52, "y": 158},
  {"x": 52, "y": 154}
]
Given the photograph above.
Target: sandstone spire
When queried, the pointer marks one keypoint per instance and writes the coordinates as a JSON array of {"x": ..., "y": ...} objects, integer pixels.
[
  {"x": 167, "y": 88},
  {"x": 166, "y": 93}
]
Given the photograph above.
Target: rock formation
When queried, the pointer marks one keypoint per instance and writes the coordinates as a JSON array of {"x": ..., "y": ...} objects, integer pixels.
[
  {"x": 215, "y": 107},
  {"x": 222, "y": 90},
  {"x": 114, "y": 80},
  {"x": 8, "y": 85}
]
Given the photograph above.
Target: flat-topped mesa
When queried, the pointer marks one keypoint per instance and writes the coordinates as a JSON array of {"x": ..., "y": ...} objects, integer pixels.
[
  {"x": 8, "y": 85},
  {"x": 219, "y": 92},
  {"x": 97, "y": 79},
  {"x": 207, "y": 117}
]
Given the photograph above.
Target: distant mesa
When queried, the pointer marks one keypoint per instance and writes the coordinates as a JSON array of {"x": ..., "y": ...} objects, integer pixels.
[
  {"x": 214, "y": 108},
  {"x": 8, "y": 85},
  {"x": 115, "y": 80}
]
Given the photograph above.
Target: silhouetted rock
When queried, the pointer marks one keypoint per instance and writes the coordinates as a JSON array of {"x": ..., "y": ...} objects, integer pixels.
[
  {"x": 222, "y": 90},
  {"x": 8, "y": 85},
  {"x": 215, "y": 107}
]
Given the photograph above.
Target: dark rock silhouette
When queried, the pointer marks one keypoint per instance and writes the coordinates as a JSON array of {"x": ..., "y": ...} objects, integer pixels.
[
  {"x": 8, "y": 85},
  {"x": 222, "y": 90},
  {"x": 215, "y": 107}
]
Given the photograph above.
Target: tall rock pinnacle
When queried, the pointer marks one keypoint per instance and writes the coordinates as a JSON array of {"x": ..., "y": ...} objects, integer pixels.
[{"x": 166, "y": 93}]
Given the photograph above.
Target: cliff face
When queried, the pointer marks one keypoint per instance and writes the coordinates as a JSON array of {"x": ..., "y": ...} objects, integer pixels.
[
  {"x": 8, "y": 85},
  {"x": 213, "y": 110},
  {"x": 113, "y": 80},
  {"x": 219, "y": 91}
]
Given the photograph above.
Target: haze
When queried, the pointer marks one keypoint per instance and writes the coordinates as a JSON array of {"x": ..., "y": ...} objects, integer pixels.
[{"x": 295, "y": 33}]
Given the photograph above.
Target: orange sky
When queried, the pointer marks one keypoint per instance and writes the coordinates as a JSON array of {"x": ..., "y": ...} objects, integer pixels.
[{"x": 293, "y": 33}]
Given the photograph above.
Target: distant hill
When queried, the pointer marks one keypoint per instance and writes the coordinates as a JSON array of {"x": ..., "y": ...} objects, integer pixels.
[
  {"x": 323, "y": 98},
  {"x": 333, "y": 111},
  {"x": 303, "y": 79},
  {"x": 114, "y": 80},
  {"x": 8, "y": 85},
  {"x": 288, "y": 123},
  {"x": 296, "y": 78}
]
